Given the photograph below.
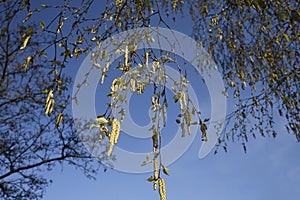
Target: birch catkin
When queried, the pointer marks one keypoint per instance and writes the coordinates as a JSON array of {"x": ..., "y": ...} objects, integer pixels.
[
  {"x": 49, "y": 103},
  {"x": 115, "y": 129},
  {"x": 155, "y": 173},
  {"x": 147, "y": 60},
  {"x": 162, "y": 189},
  {"x": 114, "y": 135},
  {"x": 182, "y": 101}
]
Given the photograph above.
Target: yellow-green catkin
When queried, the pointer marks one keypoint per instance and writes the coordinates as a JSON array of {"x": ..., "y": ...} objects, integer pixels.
[
  {"x": 49, "y": 103},
  {"x": 162, "y": 189},
  {"x": 114, "y": 135}
]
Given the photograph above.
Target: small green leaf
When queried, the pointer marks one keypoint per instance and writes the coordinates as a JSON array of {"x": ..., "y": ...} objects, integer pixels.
[
  {"x": 206, "y": 119},
  {"x": 176, "y": 98},
  {"x": 27, "y": 17},
  {"x": 25, "y": 42},
  {"x": 42, "y": 25},
  {"x": 92, "y": 126},
  {"x": 102, "y": 120},
  {"x": 166, "y": 170},
  {"x": 150, "y": 179},
  {"x": 45, "y": 91}
]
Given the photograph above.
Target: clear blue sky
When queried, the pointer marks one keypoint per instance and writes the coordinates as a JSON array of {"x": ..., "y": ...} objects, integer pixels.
[{"x": 269, "y": 170}]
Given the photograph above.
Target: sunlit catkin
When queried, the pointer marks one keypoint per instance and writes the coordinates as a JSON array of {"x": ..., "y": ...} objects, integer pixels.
[
  {"x": 104, "y": 70},
  {"x": 26, "y": 63},
  {"x": 154, "y": 65},
  {"x": 174, "y": 4},
  {"x": 155, "y": 166},
  {"x": 147, "y": 60},
  {"x": 111, "y": 146},
  {"x": 25, "y": 39},
  {"x": 182, "y": 101},
  {"x": 162, "y": 189},
  {"x": 188, "y": 118},
  {"x": 115, "y": 131},
  {"x": 58, "y": 120},
  {"x": 155, "y": 185},
  {"x": 132, "y": 85},
  {"x": 155, "y": 174},
  {"x": 140, "y": 88},
  {"x": 114, "y": 86},
  {"x": 49, "y": 103},
  {"x": 164, "y": 116}
]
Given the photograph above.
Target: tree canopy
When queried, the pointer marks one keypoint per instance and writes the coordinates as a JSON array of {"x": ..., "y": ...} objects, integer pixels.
[{"x": 254, "y": 44}]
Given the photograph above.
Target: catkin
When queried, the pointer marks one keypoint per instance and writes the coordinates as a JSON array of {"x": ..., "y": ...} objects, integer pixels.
[
  {"x": 132, "y": 85},
  {"x": 111, "y": 146},
  {"x": 49, "y": 103},
  {"x": 162, "y": 189},
  {"x": 140, "y": 88},
  {"x": 25, "y": 41},
  {"x": 182, "y": 101},
  {"x": 154, "y": 65},
  {"x": 155, "y": 173},
  {"x": 58, "y": 120},
  {"x": 26, "y": 63},
  {"x": 115, "y": 131},
  {"x": 147, "y": 60},
  {"x": 155, "y": 185},
  {"x": 164, "y": 116},
  {"x": 174, "y": 4},
  {"x": 114, "y": 86},
  {"x": 188, "y": 118}
]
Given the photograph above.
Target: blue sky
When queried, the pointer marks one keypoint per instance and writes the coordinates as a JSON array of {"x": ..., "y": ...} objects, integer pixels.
[{"x": 269, "y": 170}]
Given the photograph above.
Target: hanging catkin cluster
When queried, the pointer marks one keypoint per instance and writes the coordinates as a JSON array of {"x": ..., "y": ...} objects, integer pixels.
[
  {"x": 49, "y": 103},
  {"x": 114, "y": 135}
]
